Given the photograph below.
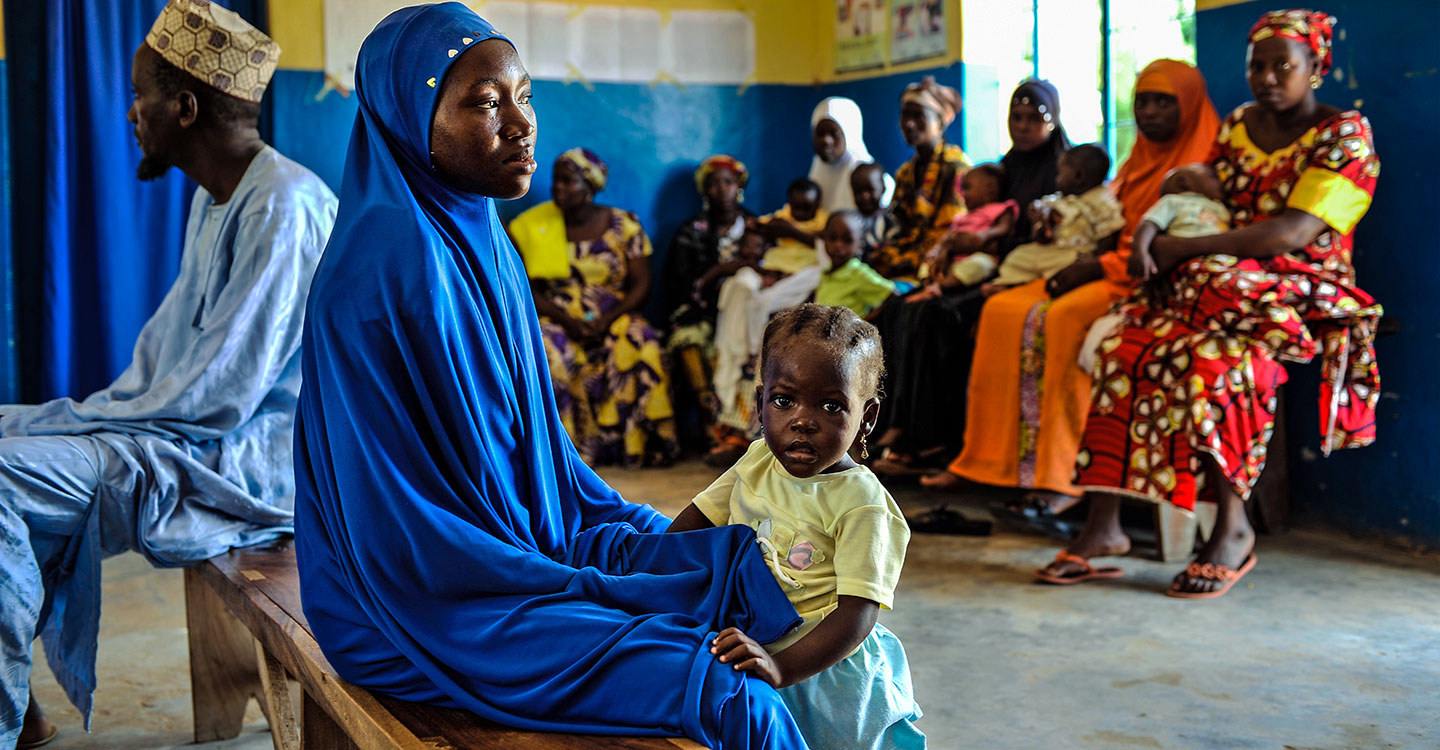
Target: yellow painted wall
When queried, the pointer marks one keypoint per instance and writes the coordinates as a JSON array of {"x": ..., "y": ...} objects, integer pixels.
[
  {"x": 1212, "y": 4},
  {"x": 2, "y": 33},
  {"x": 794, "y": 39}
]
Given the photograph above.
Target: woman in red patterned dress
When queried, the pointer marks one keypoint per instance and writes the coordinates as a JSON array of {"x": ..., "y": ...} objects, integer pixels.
[{"x": 1184, "y": 395}]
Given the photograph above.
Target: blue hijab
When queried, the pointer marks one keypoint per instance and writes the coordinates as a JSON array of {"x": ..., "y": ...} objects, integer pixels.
[{"x": 453, "y": 547}]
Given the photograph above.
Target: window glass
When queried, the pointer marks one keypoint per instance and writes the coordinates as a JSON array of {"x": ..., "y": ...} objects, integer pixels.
[
  {"x": 1072, "y": 57},
  {"x": 998, "y": 39},
  {"x": 1142, "y": 31}
]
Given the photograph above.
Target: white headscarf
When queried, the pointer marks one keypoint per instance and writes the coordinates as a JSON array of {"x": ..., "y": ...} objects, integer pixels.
[{"x": 834, "y": 177}]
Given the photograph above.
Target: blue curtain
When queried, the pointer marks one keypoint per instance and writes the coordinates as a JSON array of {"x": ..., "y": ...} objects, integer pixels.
[{"x": 95, "y": 249}]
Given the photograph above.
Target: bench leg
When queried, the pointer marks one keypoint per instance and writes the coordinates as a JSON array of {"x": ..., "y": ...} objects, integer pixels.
[
  {"x": 1174, "y": 532},
  {"x": 275, "y": 699},
  {"x": 223, "y": 674},
  {"x": 319, "y": 731}
]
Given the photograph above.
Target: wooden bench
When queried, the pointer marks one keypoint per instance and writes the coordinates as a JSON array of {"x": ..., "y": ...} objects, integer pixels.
[{"x": 248, "y": 637}]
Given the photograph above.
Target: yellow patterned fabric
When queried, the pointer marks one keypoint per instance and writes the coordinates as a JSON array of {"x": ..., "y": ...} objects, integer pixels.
[
  {"x": 925, "y": 205},
  {"x": 539, "y": 235},
  {"x": 216, "y": 46},
  {"x": 613, "y": 388}
]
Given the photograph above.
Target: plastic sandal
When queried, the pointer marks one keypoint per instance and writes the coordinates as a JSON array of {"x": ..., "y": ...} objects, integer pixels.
[
  {"x": 1212, "y": 572},
  {"x": 942, "y": 520},
  {"x": 1088, "y": 572}
]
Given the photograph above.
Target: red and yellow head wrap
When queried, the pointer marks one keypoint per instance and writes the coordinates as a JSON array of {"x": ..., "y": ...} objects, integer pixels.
[
  {"x": 721, "y": 161},
  {"x": 1311, "y": 28},
  {"x": 591, "y": 167}
]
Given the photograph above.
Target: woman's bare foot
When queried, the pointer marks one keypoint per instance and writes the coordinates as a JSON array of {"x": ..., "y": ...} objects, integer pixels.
[
  {"x": 1229, "y": 547},
  {"x": 1088, "y": 545},
  {"x": 1231, "y": 541},
  {"x": 941, "y": 480},
  {"x": 36, "y": 730},
  {"x": 1101, "y": 536},
  {"x": 1055, "y": 502}
]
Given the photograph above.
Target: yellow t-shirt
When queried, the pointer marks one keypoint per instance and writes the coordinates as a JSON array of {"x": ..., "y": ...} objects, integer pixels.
[
  {"x": 789, "y": 256},
  {"x": 833, "y": 534}
]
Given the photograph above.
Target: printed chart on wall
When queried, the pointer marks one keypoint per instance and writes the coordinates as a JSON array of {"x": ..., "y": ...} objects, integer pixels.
[
  {"x": 595, "y": 43},
  {"x": 859, "y": 35},
  {"x": 917, "y": 30}
]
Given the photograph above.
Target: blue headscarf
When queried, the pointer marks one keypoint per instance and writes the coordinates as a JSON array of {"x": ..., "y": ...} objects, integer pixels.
[{"x": 453, "y": 547}]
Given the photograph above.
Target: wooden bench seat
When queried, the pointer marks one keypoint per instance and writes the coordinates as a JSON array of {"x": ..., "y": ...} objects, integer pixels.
[{"x": 248, "y": 636}]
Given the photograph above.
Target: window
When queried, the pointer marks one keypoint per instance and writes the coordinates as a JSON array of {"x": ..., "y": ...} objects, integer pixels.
[{"x": 1006, "y": 41}]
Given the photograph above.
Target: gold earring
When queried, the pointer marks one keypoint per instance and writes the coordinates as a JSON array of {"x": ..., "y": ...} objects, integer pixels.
[
  {"x": 864, "y": 449},
  {"x": 1315, "y": 80}
]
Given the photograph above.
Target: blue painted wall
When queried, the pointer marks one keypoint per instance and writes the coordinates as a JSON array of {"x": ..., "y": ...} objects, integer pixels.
[
  {"x": 652, "y": 137},
  {"x": 1391, "y": 71}
]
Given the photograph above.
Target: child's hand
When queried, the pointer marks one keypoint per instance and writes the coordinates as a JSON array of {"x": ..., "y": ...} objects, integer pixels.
[
  {"x": 735, "y": 648},
  {"x": 931, "y": 291},
  {"x": 1141, "y": 266}
]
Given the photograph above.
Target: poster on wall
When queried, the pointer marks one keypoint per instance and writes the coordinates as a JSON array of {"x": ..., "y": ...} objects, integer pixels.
[
  {"x": 917, "y": 30},
  {"x": 859, "y": 35}
]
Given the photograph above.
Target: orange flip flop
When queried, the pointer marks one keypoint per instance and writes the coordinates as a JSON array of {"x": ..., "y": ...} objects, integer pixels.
[
  {"x": 1088, "y": 572},
  {"x": 1212, "y": 572}
]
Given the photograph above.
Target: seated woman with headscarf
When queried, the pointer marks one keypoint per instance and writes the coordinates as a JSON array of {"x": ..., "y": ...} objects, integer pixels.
[
  {"x": 704, "y": 252},
  {"x": 927, "y": 193},
  {"x": 589, "y": 269},
  {"x": 927, "y": 344},
  {"x": 453, "y": 547},
  {"x": 837, "y": 133},
  {"x": 1184, "y": 407},
  {"x": 1025, "y": 418}
]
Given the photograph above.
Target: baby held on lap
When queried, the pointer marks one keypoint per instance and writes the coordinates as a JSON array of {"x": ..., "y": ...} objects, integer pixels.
[
  {"x": 1083, "y": 218},
  {"x": 1190, "y": 205},
  {"x": 967, "y": 255}
]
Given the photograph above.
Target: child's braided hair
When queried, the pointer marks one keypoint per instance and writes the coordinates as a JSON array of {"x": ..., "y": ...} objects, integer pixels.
[{"x": 836, "y": 329}]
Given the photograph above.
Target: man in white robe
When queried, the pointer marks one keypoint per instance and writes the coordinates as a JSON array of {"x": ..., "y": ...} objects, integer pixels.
[{"x": 187, "y": 453}]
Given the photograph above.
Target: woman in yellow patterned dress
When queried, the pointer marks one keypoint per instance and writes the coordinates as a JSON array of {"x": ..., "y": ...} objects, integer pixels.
[
  {"x": 589, "y": 268},
  {"x": 927, "y": 187}
]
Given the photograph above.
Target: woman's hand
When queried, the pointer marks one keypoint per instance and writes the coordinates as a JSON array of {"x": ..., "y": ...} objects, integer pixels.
[
  {"x": 742, "y": 652},
  {"x": 966, "y": 242},
  {"x": 1073, "y": 276}
]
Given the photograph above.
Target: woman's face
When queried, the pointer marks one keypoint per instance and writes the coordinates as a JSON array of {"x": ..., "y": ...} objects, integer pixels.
[
  {"x": 829, "y": 140},
  {"x": 920, "y": 126},
  {"x": 482, "y": 137},
  {"x": 1279, "y": 73},
  {"x": 722, "y": 189},
  {"x": 1157, "y": 115},
  {"x": 568, "y": 189},
  {"x": 1029, "y": 129}
]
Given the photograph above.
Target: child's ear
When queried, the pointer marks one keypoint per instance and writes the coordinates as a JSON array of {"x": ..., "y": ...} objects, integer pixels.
[
  {"x": 872, "y": 414},
  {"x": 760, "y": 406}
]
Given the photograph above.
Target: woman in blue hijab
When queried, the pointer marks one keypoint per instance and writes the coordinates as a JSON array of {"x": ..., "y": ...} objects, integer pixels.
[{"x": 453, "y": 548}]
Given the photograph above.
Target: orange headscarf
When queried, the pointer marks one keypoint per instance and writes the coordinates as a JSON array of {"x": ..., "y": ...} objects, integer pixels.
[{"x": 1137, "y": 183}]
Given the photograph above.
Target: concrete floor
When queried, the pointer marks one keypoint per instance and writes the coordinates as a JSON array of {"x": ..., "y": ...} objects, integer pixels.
[{"x": 1329, "y": 644}]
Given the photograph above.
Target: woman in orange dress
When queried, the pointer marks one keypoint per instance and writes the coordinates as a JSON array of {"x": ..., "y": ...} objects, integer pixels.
[
  {"x": 1027, "y": 413},
  {"x": 1185, "y": 403}
]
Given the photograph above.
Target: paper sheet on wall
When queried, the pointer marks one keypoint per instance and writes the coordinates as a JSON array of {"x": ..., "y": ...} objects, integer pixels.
[{"x": 562, "y": 42}]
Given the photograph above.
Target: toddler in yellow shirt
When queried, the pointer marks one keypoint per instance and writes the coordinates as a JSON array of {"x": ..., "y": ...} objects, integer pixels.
[
  {"x": 835, "y": 539},
  {"x": 795, "y": 228}
]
